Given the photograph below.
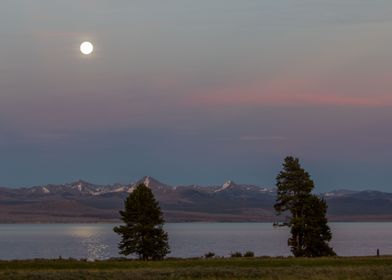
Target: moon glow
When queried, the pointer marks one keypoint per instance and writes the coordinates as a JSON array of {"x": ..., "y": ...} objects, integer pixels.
[{"x": 86, "y": 48}]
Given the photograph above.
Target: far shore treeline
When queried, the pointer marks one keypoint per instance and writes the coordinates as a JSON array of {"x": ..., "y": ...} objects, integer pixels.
[{"x": 142, "y": 233}]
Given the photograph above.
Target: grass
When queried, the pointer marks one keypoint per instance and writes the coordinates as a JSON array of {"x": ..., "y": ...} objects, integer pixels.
[{"x": 216, "y": 268}]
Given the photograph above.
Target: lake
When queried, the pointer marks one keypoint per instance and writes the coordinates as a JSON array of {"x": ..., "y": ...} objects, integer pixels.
[{"x": 98, "y": 241}]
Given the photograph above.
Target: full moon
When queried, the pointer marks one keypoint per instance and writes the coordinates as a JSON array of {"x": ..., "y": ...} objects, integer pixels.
[{"x": 86, "y": 48}]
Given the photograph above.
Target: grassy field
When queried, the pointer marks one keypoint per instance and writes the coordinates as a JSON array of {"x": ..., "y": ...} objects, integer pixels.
[{"x": 217, "y": 268}]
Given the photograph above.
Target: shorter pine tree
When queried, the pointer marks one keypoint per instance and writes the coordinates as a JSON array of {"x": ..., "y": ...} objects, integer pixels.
[{"x": 143, "y": 233}]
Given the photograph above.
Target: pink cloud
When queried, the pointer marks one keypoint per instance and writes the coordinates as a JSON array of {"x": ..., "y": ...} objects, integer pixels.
[
  {"x": 262, "y": 138},
  {"x": 289, "y": 93}
]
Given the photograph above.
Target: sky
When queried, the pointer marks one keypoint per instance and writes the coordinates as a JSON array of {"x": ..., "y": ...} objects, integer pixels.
[{"x": 196, "y": 92}]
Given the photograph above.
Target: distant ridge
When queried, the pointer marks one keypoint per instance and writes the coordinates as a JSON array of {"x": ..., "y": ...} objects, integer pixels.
[{"x": 81, "y": 201}]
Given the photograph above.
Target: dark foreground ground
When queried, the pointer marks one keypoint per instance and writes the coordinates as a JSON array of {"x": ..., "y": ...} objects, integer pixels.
[{"x": 218, "y": 268}]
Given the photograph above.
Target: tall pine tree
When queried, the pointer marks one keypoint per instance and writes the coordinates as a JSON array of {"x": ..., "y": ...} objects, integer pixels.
[
  {"x": 143, "y": 232},
  {"x": 309, "y": 228}
]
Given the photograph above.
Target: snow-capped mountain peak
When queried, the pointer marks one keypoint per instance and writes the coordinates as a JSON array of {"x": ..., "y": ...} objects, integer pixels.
[
  {"x": 228, "y": 184},
  {"x": 338, "y": 193},
  {"x": 45, "y": 190},
  {"x": 152, "y": 183},
  {"x": 147, "y": 181}
]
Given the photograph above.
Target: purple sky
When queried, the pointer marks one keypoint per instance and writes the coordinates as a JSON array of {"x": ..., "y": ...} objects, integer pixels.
[{"x": 196, "y": 91}]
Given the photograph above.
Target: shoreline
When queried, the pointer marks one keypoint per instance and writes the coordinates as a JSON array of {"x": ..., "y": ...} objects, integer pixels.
[
  {"x": 281, "y": 268},
  {"x": 182, "y": 222}
]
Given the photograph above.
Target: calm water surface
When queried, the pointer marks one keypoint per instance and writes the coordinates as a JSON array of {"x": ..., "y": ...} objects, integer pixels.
[{"x": 98, "y": 241}]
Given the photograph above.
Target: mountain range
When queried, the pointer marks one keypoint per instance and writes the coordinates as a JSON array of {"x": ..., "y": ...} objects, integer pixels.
[{"x": 82, "y": 201}]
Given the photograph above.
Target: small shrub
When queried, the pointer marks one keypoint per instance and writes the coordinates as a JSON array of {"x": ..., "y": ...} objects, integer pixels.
[
  {"x": 236, "y": 255},
  {"x": 249, "y": 254},
  {"x": 118, "y": 259},
  {"x": 209, "y": 255}
]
